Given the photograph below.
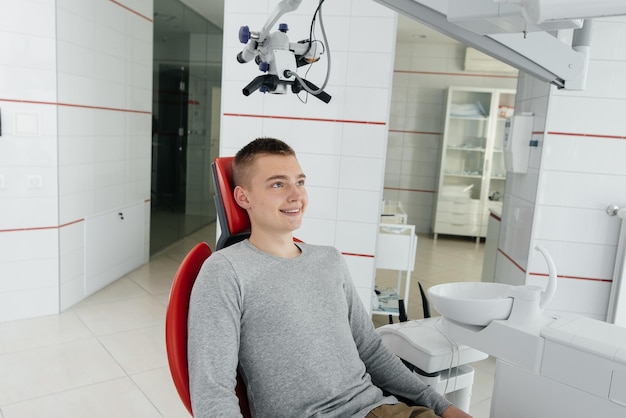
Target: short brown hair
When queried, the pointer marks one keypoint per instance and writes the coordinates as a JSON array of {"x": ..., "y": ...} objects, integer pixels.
[{"x": 245, "y": 156}]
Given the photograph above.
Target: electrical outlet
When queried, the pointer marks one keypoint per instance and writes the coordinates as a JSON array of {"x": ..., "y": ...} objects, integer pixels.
[{"x": 34, "y": 182}]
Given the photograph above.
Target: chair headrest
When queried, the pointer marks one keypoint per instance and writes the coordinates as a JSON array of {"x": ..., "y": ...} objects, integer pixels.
[{"x": 233, "y": 218}]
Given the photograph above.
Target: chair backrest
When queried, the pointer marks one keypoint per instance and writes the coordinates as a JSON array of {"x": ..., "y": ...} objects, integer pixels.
[
  {"x": 234, "y": 221},
  {"x": 176, "y": 326}
]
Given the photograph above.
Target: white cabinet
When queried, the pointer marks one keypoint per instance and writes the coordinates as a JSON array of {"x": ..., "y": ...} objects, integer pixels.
[
  {"x": 395, "y": 250},
  {"x": 114, "y": 243},
  {"x": 472, "y": 173}
]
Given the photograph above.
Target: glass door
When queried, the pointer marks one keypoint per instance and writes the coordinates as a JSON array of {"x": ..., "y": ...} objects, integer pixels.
[{"x": 186, "y": 79}]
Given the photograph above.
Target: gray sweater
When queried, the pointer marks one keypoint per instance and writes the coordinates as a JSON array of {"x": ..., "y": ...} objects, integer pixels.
[{"x": 298, "y": 332}]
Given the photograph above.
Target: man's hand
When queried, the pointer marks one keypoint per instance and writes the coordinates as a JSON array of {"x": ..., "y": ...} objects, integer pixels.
[{"x": 454, "y": 412}]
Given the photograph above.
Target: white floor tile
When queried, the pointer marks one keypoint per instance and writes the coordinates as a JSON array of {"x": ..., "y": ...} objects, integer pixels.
[
  {"x": 40, "y": 332},
  {"x": 114, "y": 398},
  {"x": 138, "y": 350},
  {"x": 33, "y": 373},
  {"x": 480, "y": 409},
  {"x": 155, "y": 280},
  {"x": 122, "y": 289},
  {"x": 158, "y": 386},
  {"x": 108, "y": 318}
]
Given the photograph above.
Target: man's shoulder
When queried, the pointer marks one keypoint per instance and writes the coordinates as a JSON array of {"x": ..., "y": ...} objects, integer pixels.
[{"x": 322, "y": 250}]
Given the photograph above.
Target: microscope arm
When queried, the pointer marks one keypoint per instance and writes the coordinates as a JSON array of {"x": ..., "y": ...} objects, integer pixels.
[
  {"x": 254, "y": 40},
  {"x": 285, "y": 6}
]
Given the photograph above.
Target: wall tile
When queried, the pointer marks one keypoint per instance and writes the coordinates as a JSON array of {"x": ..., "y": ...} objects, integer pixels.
[
  {"x": 591, "y": 226},
  {"x": 608, "y": 38},
  {"x": 317, "y": 231},
  {"x": 508, "y": 273},
  {"x": 356, "y": 238},
  {"x": 590, "y": 116},
  {"x": 583, "y": 297},
  {"x": 322, "y": 202},
  {"x": 372, "y": 34},
  {"x": 363, "y": 140},
  {"x": 322, "y": 170},
  {"x": 361, "y": 271},
  {"x": 580, "y": 190},
  {"x": 366, "y": 69},
  {"x": 307, "y": 136},
  {"x": 29, "y": 303},
  {"x": 584, "y": 155},
  {"x": 359, "y": 206},
  {"x": 356, "y": 96},
  {"x": 576, "y": 260},
  {"x": 361, "y": 173},
  {"x": 34, "y": 18}
]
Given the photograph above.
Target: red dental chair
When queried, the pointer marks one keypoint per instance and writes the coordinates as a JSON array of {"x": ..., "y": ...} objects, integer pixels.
[
  {"x": 235, "y": 227},
  {"x": 234, "y": 220}
]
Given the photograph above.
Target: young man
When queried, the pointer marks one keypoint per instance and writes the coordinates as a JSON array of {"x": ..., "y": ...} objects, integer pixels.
[{"x": 287, "y": 315}]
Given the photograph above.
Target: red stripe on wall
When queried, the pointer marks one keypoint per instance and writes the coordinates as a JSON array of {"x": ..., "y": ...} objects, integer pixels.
[
  {"x": 41, "y": 228},
  {"x": 131, "y": 10},
  {"x": 249, "y": 115},
  {"x": 358, "y": 255},
  {"x": 588, "y": 135},
  {"x": 546, "y": 275},
  {"x": 145, "y": 112},
  {"x": 494, "y": 216},
  {"x": 574, "y": 277}
]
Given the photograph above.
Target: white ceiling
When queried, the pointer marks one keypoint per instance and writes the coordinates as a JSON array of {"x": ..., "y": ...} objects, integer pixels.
[{"x": 408, "y": 29}]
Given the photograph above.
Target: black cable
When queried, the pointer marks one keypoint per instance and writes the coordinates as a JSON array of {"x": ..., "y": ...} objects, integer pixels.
[{"x": 317, "y": 10}]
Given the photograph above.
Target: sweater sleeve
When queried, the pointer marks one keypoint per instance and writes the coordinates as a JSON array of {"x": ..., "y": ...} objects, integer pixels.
[
  {"x": 386, "y": 369},
  {"x": 213, "y": 340}
]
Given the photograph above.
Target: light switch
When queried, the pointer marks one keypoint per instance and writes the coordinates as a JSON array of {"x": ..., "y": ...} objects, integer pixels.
[
  {"x": 34, "y": 182},
  {"x": 2, "y": 183}
]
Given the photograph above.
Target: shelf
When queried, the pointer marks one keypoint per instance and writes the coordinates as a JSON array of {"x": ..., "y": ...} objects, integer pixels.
[
  {"x": 395, "y": 250},
  {"x": 472, "y": 156},
  {"x": 477, "y": 118},
  {"x": 388, "y": 304},
  {"x": 461, "y": 148},
  {"x": 463, "y": 175}
]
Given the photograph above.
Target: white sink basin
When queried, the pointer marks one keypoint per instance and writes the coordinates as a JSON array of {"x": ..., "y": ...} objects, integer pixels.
[{"x": 472, "y": 303}]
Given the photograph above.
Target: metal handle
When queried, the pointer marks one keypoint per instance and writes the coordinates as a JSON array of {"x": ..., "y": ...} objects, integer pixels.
[{"x": 614, "y": 210}]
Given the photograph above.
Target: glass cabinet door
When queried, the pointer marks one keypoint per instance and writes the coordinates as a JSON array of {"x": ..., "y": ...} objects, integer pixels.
[
  {"x": 472, "y": 174},
  {"x": 497, "y": 171},
  {"x": 465, "y": 151}
]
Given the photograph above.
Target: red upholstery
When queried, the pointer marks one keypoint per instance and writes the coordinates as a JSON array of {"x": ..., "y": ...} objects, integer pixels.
[
  {"x": 176, "y": 326},
  {"x": 233, "y": 218}
]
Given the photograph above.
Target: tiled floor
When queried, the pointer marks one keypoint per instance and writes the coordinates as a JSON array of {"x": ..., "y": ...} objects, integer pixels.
[{"x": 105, "y": 357}]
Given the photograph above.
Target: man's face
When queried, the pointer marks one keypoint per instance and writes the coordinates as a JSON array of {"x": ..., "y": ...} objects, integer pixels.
[{"x": 275, "y": 197}]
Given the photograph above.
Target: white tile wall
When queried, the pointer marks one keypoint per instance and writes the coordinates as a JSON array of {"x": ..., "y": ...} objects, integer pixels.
[
  {"x": 577, "y": 172},
  {"x": 29, "y": 268},
  {"x": 76, "y": 137}
]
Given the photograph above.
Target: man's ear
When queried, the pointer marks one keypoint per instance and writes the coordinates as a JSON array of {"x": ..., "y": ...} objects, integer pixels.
[{"x": 241, "y": 197}]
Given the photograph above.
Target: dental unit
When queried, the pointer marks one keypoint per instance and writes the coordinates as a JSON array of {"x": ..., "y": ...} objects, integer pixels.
[{"x": 546, "y": 365}]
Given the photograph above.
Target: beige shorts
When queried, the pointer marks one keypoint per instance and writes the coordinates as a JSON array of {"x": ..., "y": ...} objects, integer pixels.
[{"x": 401, "y": 410}]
